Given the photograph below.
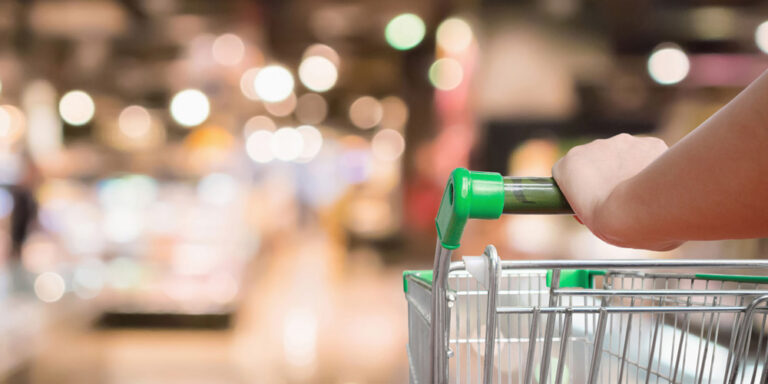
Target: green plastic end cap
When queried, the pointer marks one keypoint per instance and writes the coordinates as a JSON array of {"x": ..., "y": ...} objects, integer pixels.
[{"x": 468, "y": 194}]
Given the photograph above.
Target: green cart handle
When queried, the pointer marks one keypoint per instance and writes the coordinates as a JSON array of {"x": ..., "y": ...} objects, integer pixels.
[{"x": 486, "y": 195}]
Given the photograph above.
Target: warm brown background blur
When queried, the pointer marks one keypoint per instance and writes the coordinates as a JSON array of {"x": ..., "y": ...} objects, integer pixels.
[{"x": 200, "y": 191}]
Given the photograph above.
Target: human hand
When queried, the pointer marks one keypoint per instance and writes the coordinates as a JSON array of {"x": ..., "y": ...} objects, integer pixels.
[{"x": 591, "y": 178}]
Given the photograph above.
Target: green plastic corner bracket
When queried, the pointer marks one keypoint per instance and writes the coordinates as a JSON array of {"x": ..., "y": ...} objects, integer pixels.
[
  {"x": 468, "y": 194},
  {"x": 575, "y": 278},
  {"x": 423, "y": 276}
]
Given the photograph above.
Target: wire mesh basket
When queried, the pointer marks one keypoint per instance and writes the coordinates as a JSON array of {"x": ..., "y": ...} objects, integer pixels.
[{"x": 613, "y": 325}]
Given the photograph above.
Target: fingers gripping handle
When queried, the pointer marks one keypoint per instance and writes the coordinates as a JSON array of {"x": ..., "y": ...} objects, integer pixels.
[{"x": 486, "y": 195}]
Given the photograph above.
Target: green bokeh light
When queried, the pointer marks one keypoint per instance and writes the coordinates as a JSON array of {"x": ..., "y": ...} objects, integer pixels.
[{"x": 405, "y": 31}]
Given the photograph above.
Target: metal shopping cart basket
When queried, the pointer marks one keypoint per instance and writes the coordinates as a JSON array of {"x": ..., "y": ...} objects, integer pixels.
[{"x": 576, "y": 321}]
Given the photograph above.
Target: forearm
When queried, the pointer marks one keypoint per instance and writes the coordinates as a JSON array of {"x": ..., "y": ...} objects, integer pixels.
[{"x": 713, "y": 184}]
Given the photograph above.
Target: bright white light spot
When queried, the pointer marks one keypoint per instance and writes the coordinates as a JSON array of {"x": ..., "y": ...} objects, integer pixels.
[
  {"x": 300, "y": 337},
  {"x": 446, "y": 74},
  {"x": 761, "y": 37},
  {"x": 313, "y": 142},
  {"x": 134, "y": 121},
  {"x": 318, "y": 73},
  {"x": 454, "y": 35},
  {"x": 258, "y": 146},
  {"x": 257, "y": 123},
  {"x": 228, "y": 49},
  {"x": 50, "y": 287},
  {"x": 287, "y": 144},
  {"x": 668, "y": 64},
  {"x": 76, "y": 108},
  {"x": 190, "y": 107},
  {"x": 388, "y": 145},
  {"x": 246, "y": 84},
  {"x": 365, "y": 112},
  {"x": 217, "y": 189},
  {"x": 273, "y": 83}
]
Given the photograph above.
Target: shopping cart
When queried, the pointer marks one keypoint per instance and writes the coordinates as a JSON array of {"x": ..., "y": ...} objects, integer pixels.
[{"x": 576, "y": 321}]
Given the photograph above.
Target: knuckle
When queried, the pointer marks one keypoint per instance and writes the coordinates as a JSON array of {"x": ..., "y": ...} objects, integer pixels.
[{"x": 575, "y": 151}]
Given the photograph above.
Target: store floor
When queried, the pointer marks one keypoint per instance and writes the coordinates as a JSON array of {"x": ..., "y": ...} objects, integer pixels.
[{"x": 308, "y": 315}]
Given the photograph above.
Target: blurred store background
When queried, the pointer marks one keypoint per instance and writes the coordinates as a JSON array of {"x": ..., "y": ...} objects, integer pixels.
[{"x": 204, "y": 191}]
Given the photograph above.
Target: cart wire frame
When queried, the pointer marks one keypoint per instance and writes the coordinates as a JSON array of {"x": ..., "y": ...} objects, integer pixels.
[{"x": 632, "y": 327}]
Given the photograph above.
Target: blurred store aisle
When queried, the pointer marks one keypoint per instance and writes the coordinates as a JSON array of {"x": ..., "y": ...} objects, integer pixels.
[{"x": 305, "y": 317}]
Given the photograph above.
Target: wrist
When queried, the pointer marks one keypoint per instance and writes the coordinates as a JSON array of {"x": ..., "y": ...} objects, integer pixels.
[{"x": 613, "y": 223}]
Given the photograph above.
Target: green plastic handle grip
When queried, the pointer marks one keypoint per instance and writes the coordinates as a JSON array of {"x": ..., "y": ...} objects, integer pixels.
[{"x": 486, "y": 195}]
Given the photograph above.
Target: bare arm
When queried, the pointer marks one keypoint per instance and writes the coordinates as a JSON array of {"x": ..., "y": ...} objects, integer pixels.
[{"x": 713, "y": 184}]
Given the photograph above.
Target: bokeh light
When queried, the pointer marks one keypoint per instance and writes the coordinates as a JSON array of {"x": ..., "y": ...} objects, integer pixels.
[
  {"x": 134, "y": 121},
  {"x": 405, "y": 31},
  {"x": 190, "y": 107},
  {"x": 247, "y": 84},
  {"x": 395, "y": 113},
  {"x": 273, "y": 83},
  {"x": 668, "y": 64},
  {"x": 311, "y": 108},
  {"x": 365, "y": 112},
  {"x": 323, "y": 50},
  {"x": 76, "y": 108},
  {"x": 282, "y": 108},
  {"x": 257, "y": 123},
  {"x": 49, "y": 287},
  {"x": 312, "y": 142},
  {"x": 228, "y": 49},
  {"x": 258, "y": 146},
  {"x": 317, "y": 73},
  {"x": 761, "y": 36},
  {"x": 446, "y": 74},
  {"x": 287, "y": 144},
  {"x": 454, "y": 35},
  {"x": 388, "y": 145}
]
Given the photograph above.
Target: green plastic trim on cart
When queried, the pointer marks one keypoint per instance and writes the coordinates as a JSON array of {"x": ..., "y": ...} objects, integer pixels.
[
  {"x": 576, "y": 278},
  {"x": 468, "y": 194},
  {"x": 735, "y": 278},
  {"x": 424, "y": 276}
]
